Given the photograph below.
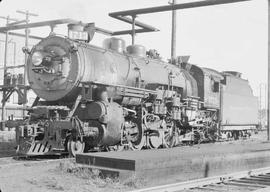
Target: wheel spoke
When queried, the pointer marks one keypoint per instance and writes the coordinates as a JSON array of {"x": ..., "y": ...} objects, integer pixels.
[
  {"x": 156, "y": 139},
  {"x": 75, "y": 147}
]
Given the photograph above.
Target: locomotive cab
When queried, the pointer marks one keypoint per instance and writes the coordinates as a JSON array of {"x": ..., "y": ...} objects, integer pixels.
[{"x": 208, "y": 85}]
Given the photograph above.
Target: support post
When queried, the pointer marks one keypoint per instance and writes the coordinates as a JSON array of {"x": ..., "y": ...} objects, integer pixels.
[
  {"x": 265, "y": 103},
  {"x": 133, "y": 29},
  {"x": 260, "y": 105},
  {"x": 268, "y": 83},
  {"x": 173, "y": 38},
  {"x": 27, "y": 15}
]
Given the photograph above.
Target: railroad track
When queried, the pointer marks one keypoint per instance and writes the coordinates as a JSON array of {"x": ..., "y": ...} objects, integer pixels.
[{"x": 257, "y": 180}]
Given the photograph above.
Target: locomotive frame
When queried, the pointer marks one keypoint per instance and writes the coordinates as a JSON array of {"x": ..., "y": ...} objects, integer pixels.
[
  {"x": 60, "y": 126},
  {"x": 140, "y": 112}
]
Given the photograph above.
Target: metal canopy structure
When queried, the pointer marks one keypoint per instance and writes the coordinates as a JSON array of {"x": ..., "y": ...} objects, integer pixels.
[
  {"x": 171, "y": 7},
  {"x": 53, "y": 23},
  {"x": 23, "y": 35},
  {"x": 124, "y": 16}
]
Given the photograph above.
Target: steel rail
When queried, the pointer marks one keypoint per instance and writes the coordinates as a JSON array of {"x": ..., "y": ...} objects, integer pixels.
[{"x": 205, "y": 181}]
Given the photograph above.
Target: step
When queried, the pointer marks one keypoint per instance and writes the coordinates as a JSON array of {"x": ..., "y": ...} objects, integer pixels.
[
  {"x": 183, "y": 163},
  {"x": 110, "y": 172},
  {"x": 109, "y": 162}
]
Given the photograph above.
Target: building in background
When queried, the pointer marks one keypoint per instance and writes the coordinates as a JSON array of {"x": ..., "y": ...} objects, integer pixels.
[{"x": 15, "y": 57}]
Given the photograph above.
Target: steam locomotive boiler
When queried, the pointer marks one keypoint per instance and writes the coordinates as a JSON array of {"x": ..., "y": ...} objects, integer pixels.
[
  {"x": 115, "y": 98},
  {"x": 105, "y": 97}
]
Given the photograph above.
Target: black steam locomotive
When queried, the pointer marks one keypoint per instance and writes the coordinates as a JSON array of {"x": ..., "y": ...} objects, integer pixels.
[{"x": 118, "y": 97}]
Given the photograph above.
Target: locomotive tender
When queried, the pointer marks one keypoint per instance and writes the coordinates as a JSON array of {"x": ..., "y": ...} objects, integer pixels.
[{"x": 119, "y": 97}]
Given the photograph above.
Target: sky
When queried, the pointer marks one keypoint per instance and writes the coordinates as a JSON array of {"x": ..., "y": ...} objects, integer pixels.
[{"x": 222, "y": 37}]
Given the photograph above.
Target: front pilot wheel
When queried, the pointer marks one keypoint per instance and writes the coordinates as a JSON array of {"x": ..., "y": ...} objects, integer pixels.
[{"x": 75, "y": 147}]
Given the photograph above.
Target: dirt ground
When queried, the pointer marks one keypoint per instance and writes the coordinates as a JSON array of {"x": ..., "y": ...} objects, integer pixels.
[
  {"x": 67, "y": 176},
  {"x": 46, "y": 177},
  {"x": 7, "y": 149}
]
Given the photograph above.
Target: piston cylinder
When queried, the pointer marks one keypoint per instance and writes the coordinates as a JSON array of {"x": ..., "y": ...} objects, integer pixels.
[{"x": 108, "y": 119}]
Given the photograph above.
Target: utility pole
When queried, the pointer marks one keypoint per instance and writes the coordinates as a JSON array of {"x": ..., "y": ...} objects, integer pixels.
[
  {"x": 3, "y": 117},
  {"x": 268, "y": 83},
  {"x": 27, "y": 15},
  {"x": 265, "y": 104},
  {"x": 173, "y": 38},
  {"x": 260, "y": 105}
]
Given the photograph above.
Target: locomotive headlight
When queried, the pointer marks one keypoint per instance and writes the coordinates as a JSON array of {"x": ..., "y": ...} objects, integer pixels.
[{"x": 37, "y": 58}]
